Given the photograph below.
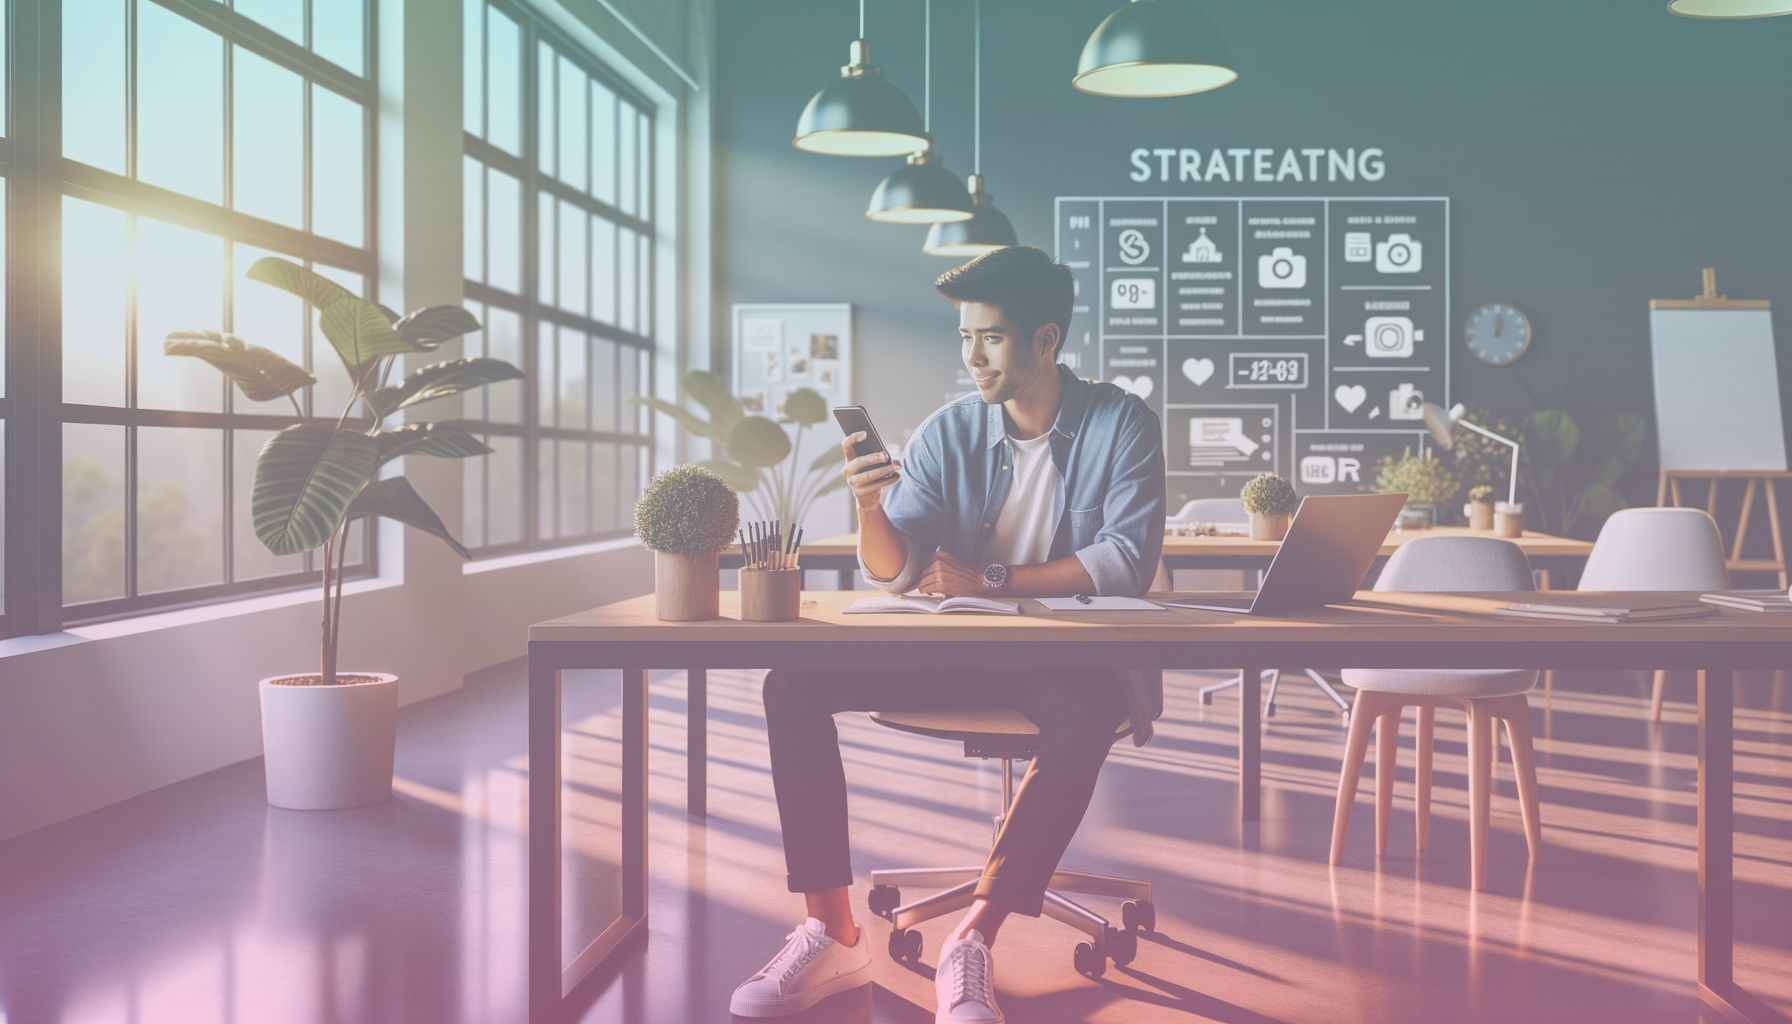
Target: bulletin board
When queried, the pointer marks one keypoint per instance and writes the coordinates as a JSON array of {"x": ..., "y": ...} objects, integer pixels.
[{"x": 779, "y": 347}]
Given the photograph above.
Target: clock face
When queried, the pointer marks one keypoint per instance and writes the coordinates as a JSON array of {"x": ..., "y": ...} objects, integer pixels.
[{"x": 1498, "y": 334}]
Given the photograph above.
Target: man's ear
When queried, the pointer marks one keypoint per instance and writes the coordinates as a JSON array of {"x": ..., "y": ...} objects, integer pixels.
[{"x": 1047, "y": 338}]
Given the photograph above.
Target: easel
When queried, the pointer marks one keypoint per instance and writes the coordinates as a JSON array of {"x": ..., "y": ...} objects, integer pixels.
[{"x": 1669, "y": 495}]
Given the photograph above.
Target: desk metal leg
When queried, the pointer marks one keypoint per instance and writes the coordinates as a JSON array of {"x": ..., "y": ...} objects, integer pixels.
[
  {"x": 1716, "y": 835},
  {"x": 634, "y": 792},
  {"x": 544, "y": 839},
  {"x": 1250, "y": 743},
  {"x": 696, "y": 768},
  {"x": 845, "y": 578}
]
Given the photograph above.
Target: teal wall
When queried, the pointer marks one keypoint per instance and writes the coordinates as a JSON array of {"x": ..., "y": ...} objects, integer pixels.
[{"x": 1597, "y": 154}]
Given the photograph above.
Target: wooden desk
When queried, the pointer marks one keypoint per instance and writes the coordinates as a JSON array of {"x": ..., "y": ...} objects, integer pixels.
[
  {"x": 841, "y": 554},
  {"x": 1378, "y": 630}
]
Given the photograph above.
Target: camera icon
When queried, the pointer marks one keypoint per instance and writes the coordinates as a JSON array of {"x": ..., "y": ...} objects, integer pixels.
[
  {"x": 1406, "y": 402},
  {"x": 1399, "y": 254},
  {"x": 1387, "y": 337},
  {"x": 1282, "y": 267}
]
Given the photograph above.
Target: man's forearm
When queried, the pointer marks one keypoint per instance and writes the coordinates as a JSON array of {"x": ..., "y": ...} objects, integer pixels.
[
  {"x": 881, "y": 546},
  {"x": 1060, "y": 577}
]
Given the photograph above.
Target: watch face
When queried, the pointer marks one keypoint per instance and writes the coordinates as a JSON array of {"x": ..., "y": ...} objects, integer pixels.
[
  {"x": 1498, "y": 334},
  {"x": 995, "y": 575}
]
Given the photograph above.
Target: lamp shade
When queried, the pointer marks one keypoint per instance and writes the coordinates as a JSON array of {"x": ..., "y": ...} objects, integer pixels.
[
  {"x": 1730, "y": 8},
  {"x": 1440, "y": 422},
  {"x": 1154, "y": 48},
  {"x": 988, "y": 228},
  {"x": 921, "y": 191},
  {"x": 860, "y": 114}
]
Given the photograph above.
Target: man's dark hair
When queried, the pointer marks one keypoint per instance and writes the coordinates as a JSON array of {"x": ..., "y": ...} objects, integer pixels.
[{"x": 1028, "y": 286}]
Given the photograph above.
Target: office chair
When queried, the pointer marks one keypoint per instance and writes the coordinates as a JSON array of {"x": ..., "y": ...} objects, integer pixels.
[
  {"x": 1654, "y": 549},
  {"x": 1488, "y": 695},
  {"x": 1010, "y": 736},
  {"x": 1231, "y": 510}
]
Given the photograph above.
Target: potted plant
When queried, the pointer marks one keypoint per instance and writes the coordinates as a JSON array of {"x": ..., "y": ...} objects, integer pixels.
[
  {"x": 1480, "y": 507},
  {"x": 1425, "y": 481},
  {"x": 1270, "y": 500},
  {"x": 753, "y": 454},
  {"x": 328, "y": 736},
  {"x": 686, "y": 516}
]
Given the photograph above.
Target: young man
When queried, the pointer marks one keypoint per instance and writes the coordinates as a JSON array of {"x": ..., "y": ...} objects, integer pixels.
[{"x": 1040, "y": 484}]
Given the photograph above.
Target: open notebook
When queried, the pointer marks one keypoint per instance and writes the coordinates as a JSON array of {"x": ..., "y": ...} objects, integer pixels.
[{"x": 931, "y": 605}]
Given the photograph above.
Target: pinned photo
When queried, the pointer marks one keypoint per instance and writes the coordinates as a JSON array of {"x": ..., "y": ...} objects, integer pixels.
[
  {"x": 824, "y": 346},
  {"x": 827, "y": 371},
  {"x": 774, "y": 367},
  {"x": 799, "y": 368},
  {"x": 753, "y": 403}
]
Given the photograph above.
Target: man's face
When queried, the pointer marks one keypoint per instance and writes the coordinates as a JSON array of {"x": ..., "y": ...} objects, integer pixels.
[{"x": 1003, "y": 361}]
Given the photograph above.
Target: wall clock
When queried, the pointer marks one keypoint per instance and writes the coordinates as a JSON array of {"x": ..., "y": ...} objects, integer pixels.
[{"x": 1498, "y": 333}]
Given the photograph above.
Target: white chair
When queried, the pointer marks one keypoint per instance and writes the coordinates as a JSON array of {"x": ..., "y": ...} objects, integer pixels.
[
  {"x": 1488, "y": 695},
  {"x": 1231, "y": 510},
  {"x": 1655, "y": 549}
]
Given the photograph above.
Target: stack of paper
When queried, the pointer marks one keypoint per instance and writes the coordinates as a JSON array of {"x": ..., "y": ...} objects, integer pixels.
[
  {"x": 1751, "y": 600},
  {"x": 1565, "y": 612}
]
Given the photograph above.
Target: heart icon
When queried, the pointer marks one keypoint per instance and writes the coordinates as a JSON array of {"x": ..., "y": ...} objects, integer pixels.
[
  {"x": 1350, "y": 396},
  {"x": 1141, "y": 386},
  {"x": 1197, "y": 370}
]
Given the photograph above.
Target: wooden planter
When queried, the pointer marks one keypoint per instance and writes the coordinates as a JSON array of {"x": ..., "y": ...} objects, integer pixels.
[
  {"x": 1270, "y": 527},
  {"x": 1480, "y": 515},
  {"x": 687, "y": 588}
]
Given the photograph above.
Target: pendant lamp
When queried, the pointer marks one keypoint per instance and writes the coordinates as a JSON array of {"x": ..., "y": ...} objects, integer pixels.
[
  {"x": 861, "y": 114},
  {"x": 921, "y": 191},
  {"x": 1730, "y": 8},
  {"x": 1154, "y": 48},
  {"x": 988, "y": 227}
]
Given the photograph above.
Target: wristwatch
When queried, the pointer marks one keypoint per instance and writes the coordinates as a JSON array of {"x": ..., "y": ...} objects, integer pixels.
[{"x": 995, "y": 576}]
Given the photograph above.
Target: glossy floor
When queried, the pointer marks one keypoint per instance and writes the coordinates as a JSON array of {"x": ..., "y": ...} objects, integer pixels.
[{"x": 198, "y": 903}]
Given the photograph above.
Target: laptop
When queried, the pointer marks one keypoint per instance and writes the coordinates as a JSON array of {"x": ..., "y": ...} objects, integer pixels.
[{"x": 1328, "y": 551}]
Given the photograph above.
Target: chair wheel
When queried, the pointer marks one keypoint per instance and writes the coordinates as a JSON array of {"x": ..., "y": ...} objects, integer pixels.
[
  {"x": 1089, "y": 962},
  {"x": 905, "y": 944},
  {"x": 1121, "y": 946},
  {"x": 883, "y": 900},
  {"x": 1137, "y": 916}
]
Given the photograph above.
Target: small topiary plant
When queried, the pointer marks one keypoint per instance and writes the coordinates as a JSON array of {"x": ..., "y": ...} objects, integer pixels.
[
  {"x": 1481, "y": 493},
  {"x": 1269, "y": 495},
  {"x": 687, "y": 510}
]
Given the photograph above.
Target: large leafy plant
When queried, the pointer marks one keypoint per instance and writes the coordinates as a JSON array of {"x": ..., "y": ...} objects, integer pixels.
[
  {"x": 1571, "y": 473},
  {"x": 313, "y": 479},
  {"x": 752, "y": 453}
]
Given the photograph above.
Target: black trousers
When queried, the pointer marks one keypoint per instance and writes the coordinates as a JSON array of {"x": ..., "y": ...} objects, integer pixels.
[{"x": 1077, "y": 717}]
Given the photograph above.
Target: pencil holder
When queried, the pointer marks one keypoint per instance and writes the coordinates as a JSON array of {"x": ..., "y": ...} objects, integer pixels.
[{"x": 771, "y": 595}]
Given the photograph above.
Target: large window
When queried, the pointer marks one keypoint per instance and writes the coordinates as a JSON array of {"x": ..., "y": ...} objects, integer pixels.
[
  {"x": 559, "y": 248},
  {"x": 195, "y": 138}
]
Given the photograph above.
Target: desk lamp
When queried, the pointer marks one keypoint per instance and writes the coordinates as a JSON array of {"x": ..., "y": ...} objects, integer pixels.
[{"x": 1439, "y": 421}]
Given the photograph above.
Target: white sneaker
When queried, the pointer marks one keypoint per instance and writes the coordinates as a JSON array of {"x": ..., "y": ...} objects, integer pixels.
[
  {"x": 965, "y": 983},
  {"x": 810, "y": 968}
]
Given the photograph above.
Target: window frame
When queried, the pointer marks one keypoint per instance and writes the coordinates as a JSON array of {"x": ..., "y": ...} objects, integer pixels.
[
  {"x": 39, "y": 178},
  {"x": 527, "y": 304}
]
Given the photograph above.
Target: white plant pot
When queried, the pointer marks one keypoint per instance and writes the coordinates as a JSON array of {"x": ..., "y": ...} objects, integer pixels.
[{"x": 329, "y": 747}]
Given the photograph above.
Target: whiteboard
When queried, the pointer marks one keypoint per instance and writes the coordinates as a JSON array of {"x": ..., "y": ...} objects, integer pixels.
[{"x": 1717, "y": 391}]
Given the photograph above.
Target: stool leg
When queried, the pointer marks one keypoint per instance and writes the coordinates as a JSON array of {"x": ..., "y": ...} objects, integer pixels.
[
  {"x": 1524, "y": 769},
  {"x": 1356, "y": 747},
  {"x": 1387, "y": 752},
  {"x": 1661, "y": 683},
  {"x": 1422, "y": 779},
  {"x": 1480, "y": 786}
]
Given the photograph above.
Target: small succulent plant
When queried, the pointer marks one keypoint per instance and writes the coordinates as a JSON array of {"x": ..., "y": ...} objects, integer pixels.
[
  {"x": 1481, "y": 493},
  {"x": 1270, "y": 495}
]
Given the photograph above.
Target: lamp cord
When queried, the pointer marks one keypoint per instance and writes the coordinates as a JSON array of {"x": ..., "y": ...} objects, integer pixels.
[
  {"x": 977, "y": 89},
  {"x": 927, "y": 68}
]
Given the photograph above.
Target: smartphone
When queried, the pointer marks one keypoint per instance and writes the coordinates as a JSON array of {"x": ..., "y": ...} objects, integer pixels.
[{"x": 853, "y": 419}]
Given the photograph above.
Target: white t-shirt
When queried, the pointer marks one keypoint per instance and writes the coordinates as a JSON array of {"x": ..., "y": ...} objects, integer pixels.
[{"x": 1029, "y": 516}]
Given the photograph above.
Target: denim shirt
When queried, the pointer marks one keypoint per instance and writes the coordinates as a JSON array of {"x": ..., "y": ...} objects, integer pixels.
[{"x": 1108, "y": 449}]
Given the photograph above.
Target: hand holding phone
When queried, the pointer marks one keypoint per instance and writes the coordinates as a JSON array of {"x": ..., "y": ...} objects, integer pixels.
[{"x": 869, "y": 468}]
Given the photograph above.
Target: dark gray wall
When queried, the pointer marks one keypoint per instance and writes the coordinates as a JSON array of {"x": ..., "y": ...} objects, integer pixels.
[{"x": 1597, "y": 154}]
